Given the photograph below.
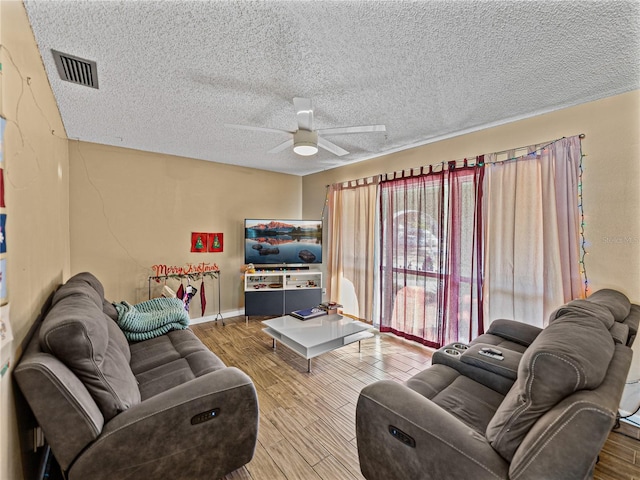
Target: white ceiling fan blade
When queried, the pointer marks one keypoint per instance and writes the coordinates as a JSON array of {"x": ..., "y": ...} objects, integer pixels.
[
  {"x": 304, "y": 113},
  {"x": 259, "y": 129},
  {"x": 282, "y": 146},
  {"x": 331, "y": 147},
  {"x": 357, "y": 129}
]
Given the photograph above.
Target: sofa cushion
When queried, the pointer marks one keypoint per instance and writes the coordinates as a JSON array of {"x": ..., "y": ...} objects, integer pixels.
[
  {"x": 516, "y": 332},
  {"x": 431, "y": 381},
  {"x": 78, "y": 333},
  {"x": 616, "y": 302},
  {"x": 117, "y": 338},
  {"x": 76, "y": 289},
  {"x": 469, "y": 401},
  {"x": 110, "y": 309},
  {"x": 581, "y": 308},
  {"x": 571, "y": 354},
  {"x": 87, "y": 279},
  {"x": 619, "y": 332},
  {"x": 167, "y": 361},
  {"x": 633, "y": 321}
]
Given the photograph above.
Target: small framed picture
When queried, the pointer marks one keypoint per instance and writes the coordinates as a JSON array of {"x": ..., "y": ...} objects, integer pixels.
[
  {"x": 199, "y": 242},
  {"x": 215, "y": 242}
]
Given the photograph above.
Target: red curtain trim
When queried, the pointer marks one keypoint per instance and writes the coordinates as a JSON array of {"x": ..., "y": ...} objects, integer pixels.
[
  {"x": 449, "y": 314},
  {"x": 413, "y": 338}
]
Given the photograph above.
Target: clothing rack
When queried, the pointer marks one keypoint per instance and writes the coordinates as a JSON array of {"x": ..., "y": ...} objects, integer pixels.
[{"x": 192, "y": 277}]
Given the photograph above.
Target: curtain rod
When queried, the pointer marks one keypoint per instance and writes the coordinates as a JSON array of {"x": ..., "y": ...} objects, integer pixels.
[
  {"x": 441, "y": 164},
  {"x": 548, "y": 142}
]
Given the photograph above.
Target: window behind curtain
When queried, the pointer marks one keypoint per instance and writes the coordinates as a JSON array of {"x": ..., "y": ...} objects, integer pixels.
[
  {"x": 430, "y": 253},
  {"x": 532, "y": 233}
]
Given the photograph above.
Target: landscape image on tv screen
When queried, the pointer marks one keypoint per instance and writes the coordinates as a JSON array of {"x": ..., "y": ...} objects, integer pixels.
[{"x": 287, "y": 242}]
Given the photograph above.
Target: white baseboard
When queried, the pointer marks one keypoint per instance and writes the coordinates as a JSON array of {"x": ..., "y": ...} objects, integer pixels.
[
  {"x": 633, "y": 420},
  {"x": 630, "y": 403},
  {"x": 212, "y": 318}
]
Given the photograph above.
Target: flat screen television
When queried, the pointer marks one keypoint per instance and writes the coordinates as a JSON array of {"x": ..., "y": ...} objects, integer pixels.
[{"x": 282, "y": 242}]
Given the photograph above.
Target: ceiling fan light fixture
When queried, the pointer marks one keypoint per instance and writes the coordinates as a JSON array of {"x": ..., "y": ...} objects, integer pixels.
[
  {"x": 305, "y": 143},
  {"x": 305, "y": 149}
]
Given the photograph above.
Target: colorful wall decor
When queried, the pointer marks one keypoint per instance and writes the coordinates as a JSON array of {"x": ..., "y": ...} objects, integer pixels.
[
  {"x": 206, "y": 242},
  {"x": 2, "y": 205},
  {"x": 163, "y": 270},
  {"x": 3, "y": 236},
  {"x": 3, "y": 222},
  {"x": 6, "y": 336},
  {"x": 3, "y": 281},
  {"x": 199, "y": 242},
  {"x": 215, "y": 242}
]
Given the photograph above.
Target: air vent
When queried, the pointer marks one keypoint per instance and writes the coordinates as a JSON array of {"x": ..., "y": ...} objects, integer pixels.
[{"x": 76, "y": 70}]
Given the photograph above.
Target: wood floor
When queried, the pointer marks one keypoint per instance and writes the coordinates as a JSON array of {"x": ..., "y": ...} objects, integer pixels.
[{"x": 307, "y": 420}]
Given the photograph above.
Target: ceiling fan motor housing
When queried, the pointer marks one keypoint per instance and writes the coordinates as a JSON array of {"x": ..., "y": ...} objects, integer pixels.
[{"x": 305, "y": 142}]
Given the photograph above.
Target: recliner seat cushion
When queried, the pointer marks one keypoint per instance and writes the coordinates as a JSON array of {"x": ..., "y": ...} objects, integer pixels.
[
  {"x": 469, "y": 401},
  {"x": 87, "y": 341},
  {"x": 571, "y": 354},
  {"x": 170, "y": 360}
]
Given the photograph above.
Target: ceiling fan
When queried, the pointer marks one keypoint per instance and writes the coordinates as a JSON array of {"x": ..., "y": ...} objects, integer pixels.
[{"x": 305, "y": 140}]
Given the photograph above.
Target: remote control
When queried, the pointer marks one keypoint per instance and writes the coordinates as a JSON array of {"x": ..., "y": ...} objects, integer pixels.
[
  {"x": 491, "y": 355},
  {"x": 493, "y": 351}
]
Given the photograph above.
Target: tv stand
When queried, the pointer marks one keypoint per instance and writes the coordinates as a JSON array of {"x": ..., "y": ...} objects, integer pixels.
[{"x": 281, "y": 292}]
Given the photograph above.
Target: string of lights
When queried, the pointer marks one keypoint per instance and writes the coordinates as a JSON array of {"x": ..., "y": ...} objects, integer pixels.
[{"x": 583, "y": 240}]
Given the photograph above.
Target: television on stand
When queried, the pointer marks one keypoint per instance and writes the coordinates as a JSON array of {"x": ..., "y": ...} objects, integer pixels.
[{"x": 273, "y": 243}]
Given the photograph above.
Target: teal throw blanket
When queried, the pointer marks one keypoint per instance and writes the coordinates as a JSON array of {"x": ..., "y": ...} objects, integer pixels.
[{"x": 152, "y": 318}]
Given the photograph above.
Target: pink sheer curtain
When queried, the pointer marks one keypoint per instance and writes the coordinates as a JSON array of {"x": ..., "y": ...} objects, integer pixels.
[
  {"x": 352, "y": 243},
  {"x": 532, "y": 248},
  {"x": 431, "y": 253}
]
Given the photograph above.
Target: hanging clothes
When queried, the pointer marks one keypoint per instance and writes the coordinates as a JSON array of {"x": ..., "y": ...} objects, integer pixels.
[
  {"x": 203, "y": 297},
  {"x": 190, "y": 291}
]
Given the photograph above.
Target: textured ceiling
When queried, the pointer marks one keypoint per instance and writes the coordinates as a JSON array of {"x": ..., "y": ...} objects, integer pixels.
[{"x": 172, "y": 73}]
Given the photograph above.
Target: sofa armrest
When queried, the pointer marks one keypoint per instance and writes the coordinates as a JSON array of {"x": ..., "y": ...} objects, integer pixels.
[
  {"x": 587, "y": 415},
  {"x": 205, "y": 427},
  {"x": 517, "y": 332},
  {"x": 497, "y": 375},
  {"x": 506, "y": 366},
  {"x": 437, "y": 445},
  {"x": 63, "y": 407}
]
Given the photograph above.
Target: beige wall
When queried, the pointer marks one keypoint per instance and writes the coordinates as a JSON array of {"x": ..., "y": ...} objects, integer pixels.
[
  {"x": 76, "y": 206},
  {"x": 130, "y": 210},
  {"x": 36, "y": 183},
  {"x": 611, "y": 181}
]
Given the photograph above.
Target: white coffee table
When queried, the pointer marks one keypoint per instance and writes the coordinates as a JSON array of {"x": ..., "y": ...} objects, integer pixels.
[{"x": 310, "y": 338}]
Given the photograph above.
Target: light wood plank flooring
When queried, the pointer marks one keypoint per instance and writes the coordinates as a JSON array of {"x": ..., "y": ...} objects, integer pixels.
[{"x": 307, "y": 420}]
